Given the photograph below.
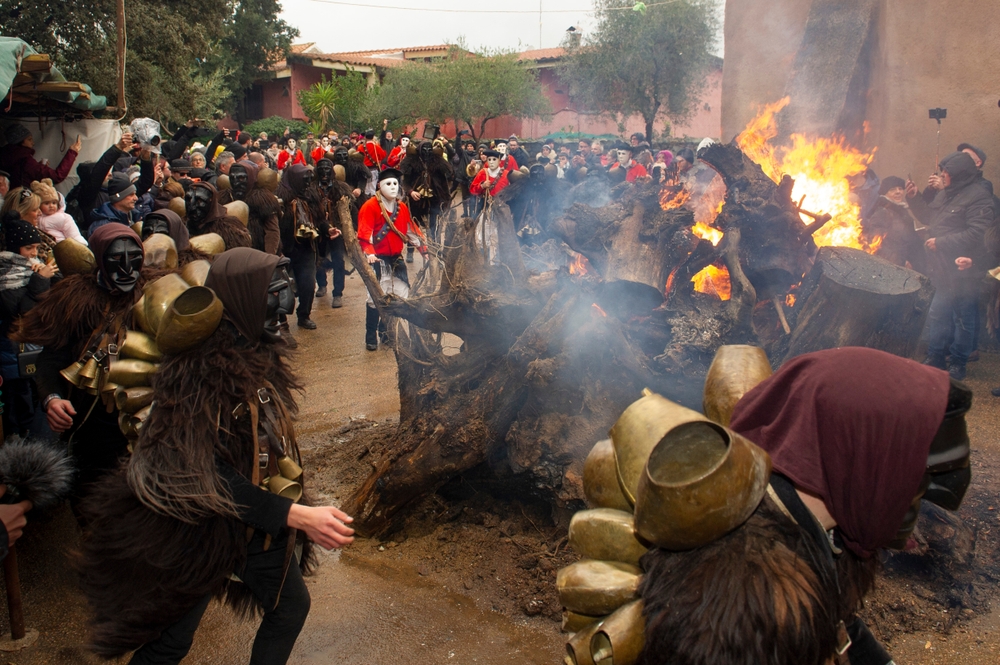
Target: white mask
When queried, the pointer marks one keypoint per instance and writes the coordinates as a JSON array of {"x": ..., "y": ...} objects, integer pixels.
[
  {"x": 291, "y": 144},
  {"x": 623, "y": 157},
  {"x": 325, "y": 141},
  {"x": 404, "y": 142},
  {"x": 493, "y": 163},
  {"x": 389, "y": 188},
  {"x": 502, "y": 149}
]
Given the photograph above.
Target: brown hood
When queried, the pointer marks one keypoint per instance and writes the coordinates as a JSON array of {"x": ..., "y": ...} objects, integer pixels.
[{"x": 240, "y": 278}]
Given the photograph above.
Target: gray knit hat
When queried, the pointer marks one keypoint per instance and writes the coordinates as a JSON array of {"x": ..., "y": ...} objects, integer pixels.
[{"x": 16, "y": 133}]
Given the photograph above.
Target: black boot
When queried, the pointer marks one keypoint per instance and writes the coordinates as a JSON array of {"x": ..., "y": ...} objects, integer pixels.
[{"x": 371, "y": 328}]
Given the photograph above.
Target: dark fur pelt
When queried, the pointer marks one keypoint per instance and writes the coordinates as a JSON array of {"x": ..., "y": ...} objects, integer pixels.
[
  {"x": 141, "y": 568},
  {"x": 36, "y": 472},
  {"x": 761, "y": 595},
  {"x": 439, "y": 171},
  {"x": 233, "y": 233},
  {"x": 70, "y": 311},
  {"x": 264, "y": 208}
]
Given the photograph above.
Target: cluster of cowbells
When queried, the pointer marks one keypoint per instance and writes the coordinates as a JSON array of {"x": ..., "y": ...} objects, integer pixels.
[{"x": 668, "y": 477}]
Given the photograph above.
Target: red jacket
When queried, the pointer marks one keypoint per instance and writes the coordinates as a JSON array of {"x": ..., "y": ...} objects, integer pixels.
[
  {"x": 508, "y": 163},
  {"x": 374, "y": 154},
  {"x": 395, "y": 157},
  {"x": 637, "y": 170},
  {"x": 286, "y": 159},
  {"x": 371, "y": 221},
  {"x": 19, "y": 162},
  {"x": 477, "y": 188},
  {"x": 317, "y": 153}
]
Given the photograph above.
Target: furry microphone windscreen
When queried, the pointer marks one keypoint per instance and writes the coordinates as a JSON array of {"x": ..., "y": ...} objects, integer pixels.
[{"x": 36, "y": 472}]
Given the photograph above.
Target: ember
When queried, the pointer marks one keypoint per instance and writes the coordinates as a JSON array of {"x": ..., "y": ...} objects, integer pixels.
[
  {"x": 790, "y": 300},
  {"x": 597, "y": 310},
  {"x": 820, "y": 168},
  {"x": 671, "y": 198},
  {"x": 713, "y": 281},
  {"x": 579, "y": 265}
]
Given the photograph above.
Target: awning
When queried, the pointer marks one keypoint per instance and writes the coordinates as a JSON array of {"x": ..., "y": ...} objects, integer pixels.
[{"x": 30, "y": 83}]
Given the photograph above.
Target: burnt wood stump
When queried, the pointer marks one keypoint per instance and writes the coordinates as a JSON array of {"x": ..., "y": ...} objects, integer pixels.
[{"x": 851, "y": 298}]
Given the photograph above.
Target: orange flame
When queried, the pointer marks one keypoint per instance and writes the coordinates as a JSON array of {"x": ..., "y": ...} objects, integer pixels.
[
  {"x": 820, "y": 168},
  {"x": 670, "y": 199},
  {"x": 579, "y": 266},
  {"x": 790, "y": 300},
  {"x": 713, "y": 281},
  {"x": 670, "y": 281},
  {"x": 706, "y": 232}
]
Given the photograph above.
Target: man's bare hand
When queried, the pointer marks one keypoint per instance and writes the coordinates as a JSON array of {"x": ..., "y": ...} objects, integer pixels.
[
  {"x": 963, "y": 262},
  {"x": 12, "y": 516},
  {"x": 59, "y": 413},
  {"x": 324, "y": 525},
  {"x": 334, "y": 232},
  {"x": 126, "y": 142},
  {"x": 415, "y": 195},
  {"x": 356, "y": 192},
  {"x": 911, "y": 189},
  {"x": 931, "y": 244},
  {"x": 935, "y": 182},
  {"x": 77, "y": 144}
]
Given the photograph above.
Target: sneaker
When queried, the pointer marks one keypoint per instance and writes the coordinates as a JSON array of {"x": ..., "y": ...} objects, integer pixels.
[
  {"x": 371, "y": 347},
  {"x": 320, "y": 292},
  {"x": 337, "y": 301},
  {"x": 308, "y": 324},
  {"x": 957, "y": 372}
]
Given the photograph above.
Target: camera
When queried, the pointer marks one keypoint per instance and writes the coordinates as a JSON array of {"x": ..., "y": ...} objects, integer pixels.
[
  {"x": 146, "y": 132},
  {"x": 431, "y": 132},
  {"x": 938, "y": 114}
]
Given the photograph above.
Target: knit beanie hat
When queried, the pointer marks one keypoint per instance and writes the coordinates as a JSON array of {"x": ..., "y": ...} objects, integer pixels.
[
  {"x": 16, "y": 133},
  {"x": 890, "y": 183},
  {"x": 238, "y": 151},
  {"x": 119, "y": 187},
  {"x": 18, "y": 233}
]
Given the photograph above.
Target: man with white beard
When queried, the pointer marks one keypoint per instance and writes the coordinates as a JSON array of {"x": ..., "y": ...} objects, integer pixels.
[{"x": 384, "y": 229}]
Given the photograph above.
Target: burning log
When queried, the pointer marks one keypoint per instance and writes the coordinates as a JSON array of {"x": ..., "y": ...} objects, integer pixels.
[{"x": 851, "y": 298}]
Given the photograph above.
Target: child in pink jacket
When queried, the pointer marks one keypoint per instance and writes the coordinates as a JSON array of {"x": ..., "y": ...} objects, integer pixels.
[{"x": 54, "y": 219}]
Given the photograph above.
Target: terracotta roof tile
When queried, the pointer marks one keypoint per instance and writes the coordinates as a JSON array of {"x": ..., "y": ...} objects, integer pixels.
[{"x": 542, "y": 54}]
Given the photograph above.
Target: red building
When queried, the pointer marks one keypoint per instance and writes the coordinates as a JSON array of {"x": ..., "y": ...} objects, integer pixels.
[{"x": 305, "y": 66}]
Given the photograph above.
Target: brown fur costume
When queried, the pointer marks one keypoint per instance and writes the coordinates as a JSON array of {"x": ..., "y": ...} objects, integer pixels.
[
  {"x": 142, "y": 570},
  {"x": 763, "y": 594},
  {"x": 70, "y": 311},
  {"x": 233, "y": 233},
  {"x": 265, "y": 211}
]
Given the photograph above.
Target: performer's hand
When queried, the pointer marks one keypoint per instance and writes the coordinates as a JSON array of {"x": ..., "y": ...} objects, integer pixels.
[
  {"x": 415, "y": 195},
  {"x": 12, "y": 516},
  {"x": 963, "y": 262},
  {"x": 931, "y": 244},
  {"x": 324, "y": 525},
  {"x": 334, "y": 232},
  {"x": 60, "y": 414},
  {"x": 371, "y": 258},
  {"x": 356, "y": 192}
]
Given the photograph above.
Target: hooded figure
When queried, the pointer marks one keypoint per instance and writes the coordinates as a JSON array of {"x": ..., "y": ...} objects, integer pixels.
[
  {"x": 265, "y": 209},
  {"x": 205, "y": 214},
  {"x": 78, "y": 311},
  {"x": 891, "y": 225},
  {"x": 355, "y": 173},
  {"x": 425, "y": 186},
  {"x": 849, "y": 432},
  {"x": 185, "y": 513},
  {"x": 957, "y": 221},
  {"x": 303, "y": 222}
]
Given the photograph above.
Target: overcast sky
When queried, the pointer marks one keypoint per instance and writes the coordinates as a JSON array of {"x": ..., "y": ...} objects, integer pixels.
[{"x": 355, "y": 25}]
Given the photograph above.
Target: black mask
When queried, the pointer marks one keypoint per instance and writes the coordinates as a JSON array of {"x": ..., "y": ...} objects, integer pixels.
[
  {"x": 324, "y": 173},
  {"x": 307, "y": 179},
  {"x": 426, "y": 151},
  {"x": 122, "y": 263},
  {"x": 198, "y": 202},
  {"x": 280, "y": 300},
  {"x": 340, "y": 156},
  {"x": 238, "y": 181},
  {"x": 155, "y": 224}
]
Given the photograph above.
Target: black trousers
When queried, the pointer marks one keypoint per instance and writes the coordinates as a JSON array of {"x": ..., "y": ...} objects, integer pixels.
[
  {"x": 279, "y": 628},
  {"x": 303, "y": 260}
]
